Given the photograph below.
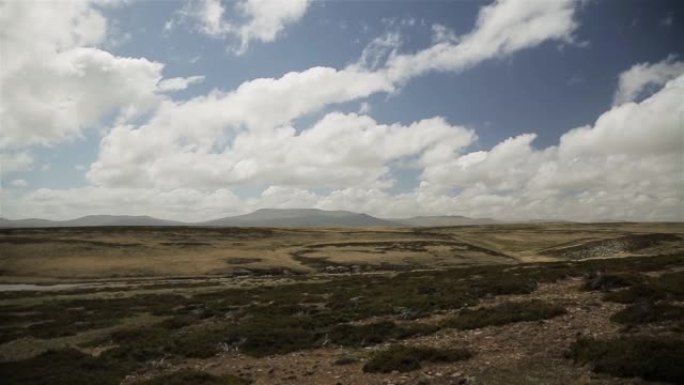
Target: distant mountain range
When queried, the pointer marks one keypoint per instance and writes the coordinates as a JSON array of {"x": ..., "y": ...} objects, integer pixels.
[
  {"x": 259, "y": 218},
  {"x": 442, "y": 220},
  {"x": 91, "y": 221}
]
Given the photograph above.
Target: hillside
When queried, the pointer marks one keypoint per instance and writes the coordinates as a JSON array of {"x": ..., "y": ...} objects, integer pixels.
[{"x": 299, "y": 218}]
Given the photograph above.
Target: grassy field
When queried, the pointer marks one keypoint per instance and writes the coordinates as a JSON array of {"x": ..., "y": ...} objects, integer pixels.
[
  {"x": 95, "y": 253},
  {"x": 461, "y": 305}
]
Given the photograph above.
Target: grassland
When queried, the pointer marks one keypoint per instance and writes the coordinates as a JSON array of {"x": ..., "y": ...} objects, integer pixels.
[
  {"x": 459, "y": 305},
  {"x": 46, "y": 255}
]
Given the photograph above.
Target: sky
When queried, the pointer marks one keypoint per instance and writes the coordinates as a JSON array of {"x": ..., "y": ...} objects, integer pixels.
[{"x": 195, "y": 110}]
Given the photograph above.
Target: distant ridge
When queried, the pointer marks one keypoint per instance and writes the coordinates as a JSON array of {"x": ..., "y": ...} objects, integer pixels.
[
  {"x": 300, "y": 218},
  {"x": 259, "y": 218},
  {"x": 91, "y": 221},
  {"x": 28, "y": 222},
  {"x": 442, "y": 220}
]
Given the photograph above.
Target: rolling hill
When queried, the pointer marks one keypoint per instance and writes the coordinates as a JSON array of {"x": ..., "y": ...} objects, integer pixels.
[{"x": 260, "y": 218}]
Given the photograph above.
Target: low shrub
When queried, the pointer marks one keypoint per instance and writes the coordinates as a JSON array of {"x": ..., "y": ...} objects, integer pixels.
[
  {"x": 346, "y": 360},
  {"x": 408, "y": 358},
  {"x": 647, "y": 312},
  {"x": 608, "y": 282},
  {"x": 195, "y": 377},
  {"x": 505, "y": 313},
  {"x": 667, "y": 286},
  {"x": 651, "y": 358},
  {"x": 62, "y": 367},
  {"x": 375, "y": 333}
]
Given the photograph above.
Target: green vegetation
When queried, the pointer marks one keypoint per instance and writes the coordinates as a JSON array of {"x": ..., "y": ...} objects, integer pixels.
[
  {"x": 608, "y": 282},
  {"x": 408, "y": 358},
  {"x": 669, "y": 286},
  {"x": 375, "y": 333},
  {"x": 62, "y": 367},
  {"x": 651, "y": 358},
  {"x": 647, "y": 312},
  {"x": 195, "y": 377},
  {"x": 505, "y": 313},
  {"x": 346, "y": 360},
  {"x": 269, "y": 320}
]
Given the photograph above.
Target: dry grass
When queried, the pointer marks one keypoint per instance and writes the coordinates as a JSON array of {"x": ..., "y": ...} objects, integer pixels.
[{"x": 87, "y": 253}]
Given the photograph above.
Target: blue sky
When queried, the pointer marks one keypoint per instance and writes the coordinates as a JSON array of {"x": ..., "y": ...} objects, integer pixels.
[{"x": 513, "y": 109}]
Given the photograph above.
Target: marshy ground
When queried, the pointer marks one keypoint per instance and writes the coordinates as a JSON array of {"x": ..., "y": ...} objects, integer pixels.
[{"x": 504, "y": 304}]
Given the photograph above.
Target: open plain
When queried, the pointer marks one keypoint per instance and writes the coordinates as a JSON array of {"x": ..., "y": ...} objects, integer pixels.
[{"x": 551, "y": 303}]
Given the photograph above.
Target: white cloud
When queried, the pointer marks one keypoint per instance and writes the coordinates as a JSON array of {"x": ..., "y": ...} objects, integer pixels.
[
  {"x": 268, "y": 18},
  {"x": 627, "y": 165},
  {"x": 339, "y": 150},
  {"x": 443, "y": 34},
  {"x": 178, "y": 84},
  {"x": 248, "y": 20},
  {"x": 213, "y": 133},
  {"x": 54, "y": 100},
  {"x": 210, "y": 15},
  {"x": 379, "y": 50},
  {"x": 31, "y": 30},
  {"x": 56, "y": 82},
  {"x": 641, "y": 78},
  {"x": 65, "y": 94},
  {"x": 504, "y": 27}
]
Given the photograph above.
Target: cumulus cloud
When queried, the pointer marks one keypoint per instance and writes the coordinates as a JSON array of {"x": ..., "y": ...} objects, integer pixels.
[
  {"x": 339, "y": 150},
  {"x": 247, "y": 20},
  {"x": 230, "y": 137},
  {"x": 56, "y": 82},
  {"x": 31, "y": 31},
  {"x": 178, "y": 84},
  {"x": 641, "y": 78},
  {"x": 65, "y": 94},
  {"x": 50, "y": 101},
  {"x": 627, "y": 165}
]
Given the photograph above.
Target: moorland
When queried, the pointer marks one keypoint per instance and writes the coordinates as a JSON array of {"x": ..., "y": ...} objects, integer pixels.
[{"x": 552, "y": 303}]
